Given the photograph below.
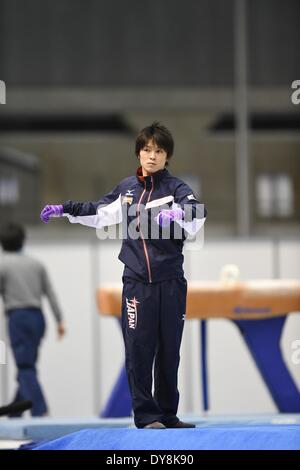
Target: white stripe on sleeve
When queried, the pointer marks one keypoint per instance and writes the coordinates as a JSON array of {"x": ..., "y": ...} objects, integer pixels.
[
  {"x": 110, "y": 214},
  {"x": 190, "y": 227}
]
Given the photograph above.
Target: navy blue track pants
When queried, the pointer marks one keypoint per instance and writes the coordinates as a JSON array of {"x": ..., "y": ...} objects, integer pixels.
[{"x": 152, "y": 323}]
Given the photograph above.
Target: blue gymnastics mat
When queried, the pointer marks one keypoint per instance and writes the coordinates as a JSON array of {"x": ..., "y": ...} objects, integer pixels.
[{"x": 230, "y": 432}]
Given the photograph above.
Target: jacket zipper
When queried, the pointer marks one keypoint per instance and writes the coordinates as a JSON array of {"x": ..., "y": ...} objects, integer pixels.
[{"x": 142, "y": 237}]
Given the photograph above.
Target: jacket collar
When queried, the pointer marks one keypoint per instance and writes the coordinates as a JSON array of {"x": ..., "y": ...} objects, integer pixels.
[{"x": 157, "y": 176}]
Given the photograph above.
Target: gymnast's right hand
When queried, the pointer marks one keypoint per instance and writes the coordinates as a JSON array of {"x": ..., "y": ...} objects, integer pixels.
[{"x": 51, "y": 211}]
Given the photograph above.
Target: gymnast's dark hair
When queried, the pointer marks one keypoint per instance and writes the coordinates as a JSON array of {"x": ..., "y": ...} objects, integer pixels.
[
  {"x": 161, "y": 136},
  {"x": 12, "y": 237}
]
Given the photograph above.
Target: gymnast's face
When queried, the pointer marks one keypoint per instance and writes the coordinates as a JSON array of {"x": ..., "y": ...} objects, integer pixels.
[{"x": 152, "y": 158}]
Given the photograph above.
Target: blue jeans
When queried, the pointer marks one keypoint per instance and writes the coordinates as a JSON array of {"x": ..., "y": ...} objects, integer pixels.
[{"x": 26, "y": 328}]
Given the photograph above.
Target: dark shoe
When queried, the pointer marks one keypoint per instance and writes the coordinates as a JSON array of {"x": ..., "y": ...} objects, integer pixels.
[
  {"x": 155, "y": 425},
  {"x": 16, "y": 408},
  {"x": 180, "y": 424}
]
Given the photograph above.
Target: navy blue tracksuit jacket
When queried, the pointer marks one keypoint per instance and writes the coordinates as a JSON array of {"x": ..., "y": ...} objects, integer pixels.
[{"x": 154, "y": 287}]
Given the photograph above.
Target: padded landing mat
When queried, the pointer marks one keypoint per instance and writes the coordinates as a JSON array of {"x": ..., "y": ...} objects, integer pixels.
[
  {"x": 272, "y": 431},
  {"x": 281, "y": 437}
]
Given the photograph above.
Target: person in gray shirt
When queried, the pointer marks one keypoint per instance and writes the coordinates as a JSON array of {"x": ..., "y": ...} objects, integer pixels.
[{"x": 23, "y": 282}]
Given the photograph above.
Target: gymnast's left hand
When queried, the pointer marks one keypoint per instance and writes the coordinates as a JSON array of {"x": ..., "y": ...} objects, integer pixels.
[{"x": 165, "y": 217}]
